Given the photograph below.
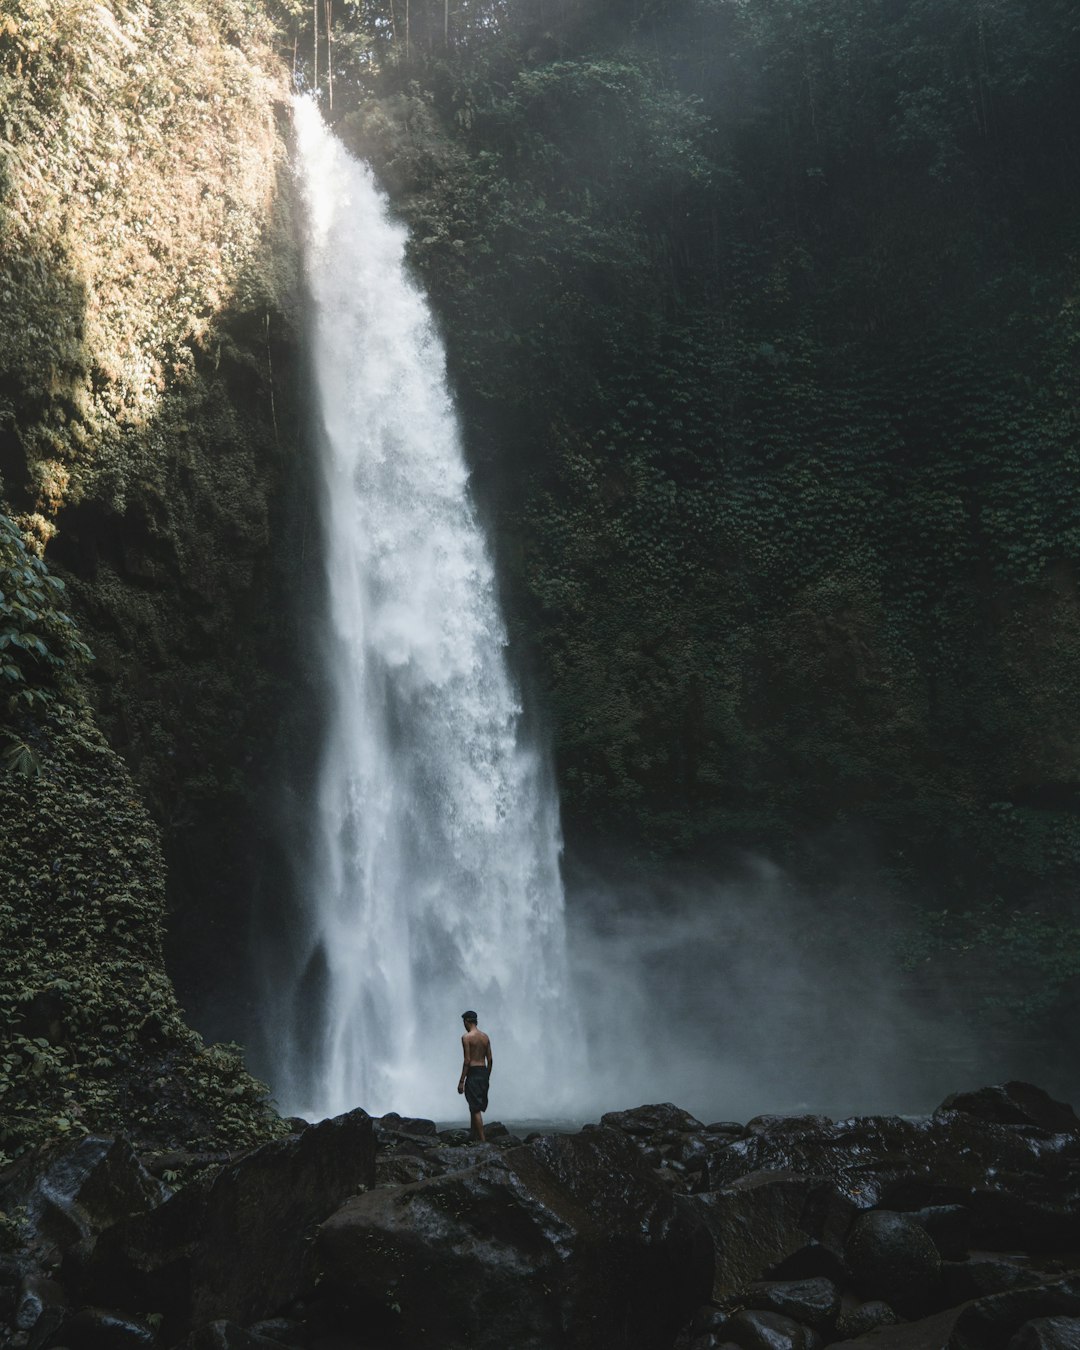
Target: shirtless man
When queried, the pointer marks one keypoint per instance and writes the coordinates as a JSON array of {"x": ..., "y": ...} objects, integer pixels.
[{"x": 475, "y": 1072}]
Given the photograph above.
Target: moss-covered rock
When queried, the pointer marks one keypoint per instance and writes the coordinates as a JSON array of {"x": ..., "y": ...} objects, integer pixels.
[{"x": 147, "y": 278}]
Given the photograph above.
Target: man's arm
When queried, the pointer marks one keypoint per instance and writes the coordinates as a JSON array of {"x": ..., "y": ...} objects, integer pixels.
[
  {"x": 464, "y": 1064},
  {"x": 490, "y": 1056}
]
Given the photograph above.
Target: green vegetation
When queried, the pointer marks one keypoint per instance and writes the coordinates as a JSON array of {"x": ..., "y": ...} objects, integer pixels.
[
  {"x": 146, "y": 269},
  {"x": 93, "y": 1039},
  {"x": 763, "y": 321}
]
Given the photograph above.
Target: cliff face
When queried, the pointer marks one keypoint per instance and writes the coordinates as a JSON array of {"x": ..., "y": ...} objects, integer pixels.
[{"x": 147, "y": 431}]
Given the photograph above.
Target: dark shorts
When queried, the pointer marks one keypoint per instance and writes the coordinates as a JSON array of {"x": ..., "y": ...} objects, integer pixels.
[{"x": 476, "y": 1087}]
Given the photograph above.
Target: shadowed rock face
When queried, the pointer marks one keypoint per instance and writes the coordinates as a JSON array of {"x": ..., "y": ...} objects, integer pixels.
[
  {"x": 235, "y": 1244},
  {"x": 567, "y": 1241}
]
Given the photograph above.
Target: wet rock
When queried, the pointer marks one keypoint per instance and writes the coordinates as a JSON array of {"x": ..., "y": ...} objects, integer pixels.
[
  {"x": 71, "y": 1192},
  {"x": 815, "y": 1261},
  {"x": 401, "y": 1169},
  {"x": 991, "y": 1322},
  {"x": 928, "y": 1333},
  {"x": 408, "y": 1125},
  {"x": 752, "y": 1330},
  {"x": 225, "y": 1335},
  {"x": 102, "y": 1329},
  {"x": 1003, "y": 1173},
  {"x": 234, "y": 1245},
  {"x": 949, "y": 1227},
  {"x": 663, "y": 1117},
  {"x": 726, "y": 1127},
  {"x": 865, "y": 1317},
  {"x": 36, "y": 1294},
  {"x": 815, "y": 1302},
  {"x": 892, "y": 1257},
  {"x": 455, "y": 1138},
  {"x": 989, "y": 1273},
  {"x": 790, "y": 1126},
  {"x": 755, "y": 1223},
  {"x": 1048, "y": 1333},
  {"x": 708, "y": 1320},
  {"x": 1039, "y": 1211},
  {"x": 281, "y": 1330},
  {"x": 552, "y": 1243},
  {"x": 1015, "y": 1104}
]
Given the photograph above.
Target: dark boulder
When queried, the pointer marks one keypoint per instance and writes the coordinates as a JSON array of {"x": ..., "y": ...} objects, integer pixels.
[
  {"x": 662, "y": 1118},
  {"x": 991, "y": 1322},
  {"x": 989, "y": 1273},
  {"x": 815, "y": 1302},
  {"x": 865, "y": 1317},
  {"x": 753, "y": 1330},
  {"x": 758, "y": 1222},
  {"x": 949, "y": 1227},
  {"x": 408, "y": 1125},
  {"x": 225, "y": 1335},
  {"x": 74, "y": 1190},
  {"x": 1015, "y": 1104},
  {"x": 234, "y": 1245},
  {"x": 102, "y": 1329},
  {"x": 1048, "y": 1333},
  {"x": 928, "y": 1333},
  {"x": 892, "y": 1257},
  {"x": 281, "y": 1330},
  {"x": 401, "y": 1169},
  {"x": 568, "y": 1241}
]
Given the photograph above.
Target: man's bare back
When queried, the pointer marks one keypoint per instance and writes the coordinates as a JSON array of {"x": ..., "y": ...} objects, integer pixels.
[
  {"x": 476, "y": 1048},
  {"x": 477, "y": 1063}
]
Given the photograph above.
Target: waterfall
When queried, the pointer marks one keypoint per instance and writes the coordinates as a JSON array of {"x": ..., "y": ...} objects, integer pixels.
[{"x": 434, "y": 885}]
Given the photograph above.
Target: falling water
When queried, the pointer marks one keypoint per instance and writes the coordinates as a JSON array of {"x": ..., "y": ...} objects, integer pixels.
[{"x": 436, "y": 878}]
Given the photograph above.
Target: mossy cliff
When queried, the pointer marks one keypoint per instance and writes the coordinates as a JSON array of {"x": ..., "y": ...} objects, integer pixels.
[{"x": 147, "y": 435}]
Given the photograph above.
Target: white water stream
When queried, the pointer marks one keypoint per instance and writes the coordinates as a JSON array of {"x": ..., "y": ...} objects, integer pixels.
[{"x": 435, "y": 885}]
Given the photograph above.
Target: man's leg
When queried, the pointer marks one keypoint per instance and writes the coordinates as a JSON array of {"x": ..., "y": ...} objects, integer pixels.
[{"x": 477, "y": 1120}]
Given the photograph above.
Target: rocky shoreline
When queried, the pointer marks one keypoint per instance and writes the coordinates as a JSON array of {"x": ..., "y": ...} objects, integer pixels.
[{"x": 648, "y": 1231}]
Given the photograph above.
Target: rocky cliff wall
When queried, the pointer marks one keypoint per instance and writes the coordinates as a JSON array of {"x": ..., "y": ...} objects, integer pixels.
[{"x": 148, "y": 431}]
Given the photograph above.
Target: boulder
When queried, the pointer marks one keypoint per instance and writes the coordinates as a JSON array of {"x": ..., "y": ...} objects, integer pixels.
[
  {"x": 949, "y": 1227},
  {"x": 408, "y": 1125},
  {"x": 753, "y": 1330},
  {"x": 1048, "y": 1333},
  {"x": 1015, "y": 1104},
  {"x": 891, "y": 1257},
  {"x": 755, "y": 1223},
  {"x": 990, "y": 1323},
  {"x": 865, "y": 1317},
  {"x": 234, "y": 1245},
  {"x": 102, "y": 1329},
  {"x": 662, "y": 1118},
  {"x": 68, "y": 1193},
  {"x": 281, "y": 1330},
  {"x": 815, "y": 1302},
  {"x": 225, "y": 1335},
  {"x": 568, "y": 1241},
  {"x": 928, "y": 1333},
  {"x": 989, "y": 1273}
]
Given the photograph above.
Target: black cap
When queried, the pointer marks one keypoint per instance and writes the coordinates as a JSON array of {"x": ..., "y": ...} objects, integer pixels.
[{"x": 469, "y": 1016}]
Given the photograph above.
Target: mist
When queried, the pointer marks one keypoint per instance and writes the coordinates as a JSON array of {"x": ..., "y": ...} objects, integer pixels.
[{"x": 754, "y": 996}]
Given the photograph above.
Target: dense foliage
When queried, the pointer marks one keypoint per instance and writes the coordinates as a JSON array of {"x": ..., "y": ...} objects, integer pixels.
[
  {"x": 93, "y": 1039},
  {"x": 763, "y": 320}
]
